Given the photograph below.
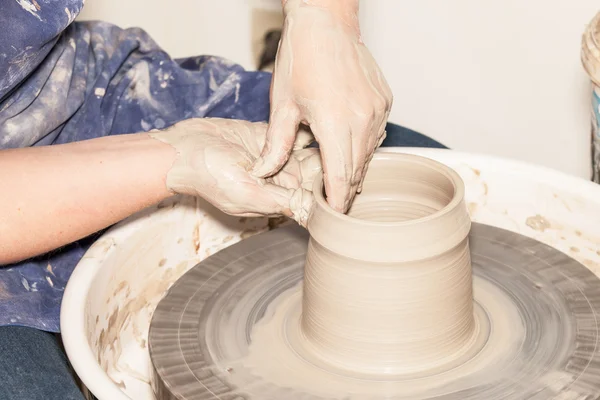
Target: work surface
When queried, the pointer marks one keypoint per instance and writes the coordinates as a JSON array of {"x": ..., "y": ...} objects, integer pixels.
[{"x": 129, "y": 269}]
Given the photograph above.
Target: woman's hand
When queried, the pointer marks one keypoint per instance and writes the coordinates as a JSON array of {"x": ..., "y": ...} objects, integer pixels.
[
  {"x": 326, "y": 78},
  {"x": 213, "y": 160}
]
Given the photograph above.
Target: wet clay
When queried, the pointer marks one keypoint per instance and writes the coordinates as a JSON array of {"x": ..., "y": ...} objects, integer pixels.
[
  {"x": 310, "y": 86},
  {"x": 280, "y": 354},
  {"x": 388, "y": 287},
  {"x": 399, "y": 299}
]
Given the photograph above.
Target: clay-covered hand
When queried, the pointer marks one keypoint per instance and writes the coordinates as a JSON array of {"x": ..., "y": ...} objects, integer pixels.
[
  {"x": 213, "y": 161},
  {"x": 326, "y": 78}
]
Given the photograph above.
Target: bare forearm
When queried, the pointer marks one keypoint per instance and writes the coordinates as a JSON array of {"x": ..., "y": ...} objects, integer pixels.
[
  {"x": 347, "y": 10},
  {"x": 51, "y": 196},
  {"x": 349, "y": 5}
]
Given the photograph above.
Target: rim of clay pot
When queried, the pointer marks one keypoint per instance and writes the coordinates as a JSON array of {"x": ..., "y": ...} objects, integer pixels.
[
  {"x": 421, "y": 237},
  {"x": 457, "y": 183}
]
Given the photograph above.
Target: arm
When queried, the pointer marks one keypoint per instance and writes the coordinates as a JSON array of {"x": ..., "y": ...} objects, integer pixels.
[
  {"x": 54, "y": 195},
  {"x": 346, "y": 9}
]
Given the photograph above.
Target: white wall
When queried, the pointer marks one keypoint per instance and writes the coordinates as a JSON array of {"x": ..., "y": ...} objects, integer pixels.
[{"x": 500, "y": 77}]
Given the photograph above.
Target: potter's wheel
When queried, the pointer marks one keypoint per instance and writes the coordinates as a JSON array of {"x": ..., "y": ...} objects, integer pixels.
[{"x": 538, "y": 307}]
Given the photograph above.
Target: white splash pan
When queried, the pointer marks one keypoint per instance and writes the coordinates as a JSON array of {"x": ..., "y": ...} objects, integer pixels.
[{"x": 112, "y": 293}]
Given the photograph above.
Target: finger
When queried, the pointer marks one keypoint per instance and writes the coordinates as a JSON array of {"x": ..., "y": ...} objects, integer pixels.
[
  {"x": 364, "y": 174},
  {"x": 381, "y": 135},
  {"x": 274, "y": 200},
  {"x": 300, "y": 171},
  {"x": 279, "y": 141},
  {"x": 335, "y": 144},
  {"x": 293, "y": 201},
  {"x": 271, "y": 199},
  {"x": 363, "y": 140},
  {"x": 310, "y": 166},
  {"x": 300, "y": 205},
  {"x": 304, "y": 138}
]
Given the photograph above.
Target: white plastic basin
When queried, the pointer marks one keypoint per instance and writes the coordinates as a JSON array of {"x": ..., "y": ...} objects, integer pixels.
[{"x": 109, "y": 300}]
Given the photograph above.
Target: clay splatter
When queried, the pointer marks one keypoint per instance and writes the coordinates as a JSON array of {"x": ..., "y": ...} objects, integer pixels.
[
  {"x": 32, "y": 7},
  {"x": 196, "y": 238},
  {"x": 227, "y": 239},
  {"x": 472, "y": 208},
  {"x": 538, "y": 223}
]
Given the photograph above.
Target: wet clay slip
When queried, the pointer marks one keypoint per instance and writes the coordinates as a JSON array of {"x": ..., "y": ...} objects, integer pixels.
[
  {"x": 402, "y": 298},
  {"x": 388, "y": 287}
]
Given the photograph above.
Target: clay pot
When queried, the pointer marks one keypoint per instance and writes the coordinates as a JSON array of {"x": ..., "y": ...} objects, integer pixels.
[{"x": 388, "y": 287}]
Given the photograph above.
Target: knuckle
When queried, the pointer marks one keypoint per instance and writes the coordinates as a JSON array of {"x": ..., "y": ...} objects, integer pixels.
[{"x": 380, "y": 105}]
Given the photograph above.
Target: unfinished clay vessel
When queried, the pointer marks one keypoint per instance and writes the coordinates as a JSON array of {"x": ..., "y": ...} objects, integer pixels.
[{"x": 388, "y": 287}]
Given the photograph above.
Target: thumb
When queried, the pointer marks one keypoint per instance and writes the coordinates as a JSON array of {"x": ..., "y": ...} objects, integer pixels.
[
  {"x": 300, "y": 205},
  {"x": 272, "y": 199},
  {"x": 304, "y": 138},
  {"x": 279, "y": 141}
]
